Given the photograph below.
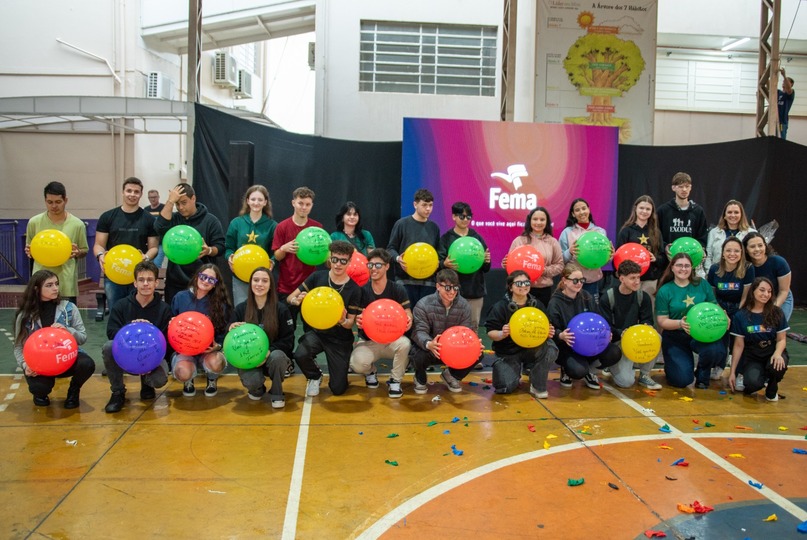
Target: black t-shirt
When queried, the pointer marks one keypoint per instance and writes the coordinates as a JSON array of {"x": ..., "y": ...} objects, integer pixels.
[
  {"x": 131, "y": 228},
  {"x": 154, "y": 211},
  {"x": 393, "y": 291},
  {"x": 351, "y": 296}
]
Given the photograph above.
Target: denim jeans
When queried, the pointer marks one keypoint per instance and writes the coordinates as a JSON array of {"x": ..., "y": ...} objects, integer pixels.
[
  {"x": 679, "y": 350},
  {"x": 274, "y": 367},
  {"x": 115, "y": 292}
]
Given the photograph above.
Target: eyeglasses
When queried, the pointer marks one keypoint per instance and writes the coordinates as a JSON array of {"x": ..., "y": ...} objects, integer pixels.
[
  {"x": 682, "y": 266},
  {"x": 464, "y": 216},
  {"x": 208, "y": 279},
  {"x": 524, "y": 283},
  {"x": 577, "y": 280},
  {"x": 449, "y": 288},
  {"x": 339, "y": 260},
  {"x": 375, "y": 265}
]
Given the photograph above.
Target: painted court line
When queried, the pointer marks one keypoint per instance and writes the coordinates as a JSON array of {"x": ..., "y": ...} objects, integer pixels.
[
  {"x": 735, "y": 471},
  {"x": 296, "y": 484}
]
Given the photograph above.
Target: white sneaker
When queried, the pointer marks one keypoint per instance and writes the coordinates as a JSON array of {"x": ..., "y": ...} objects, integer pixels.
[
  {"x": 537, "y": 394},
  {"x": 738, "y": 383},
  {"x": 717, "y": 373},
  {"x": 279, "y": 403},
  {"x": 420, "y": 388},
  {"x": 371, "y": 380},
  {"x": 312, "y": 387},
  {"x": 648, "y": 382}
]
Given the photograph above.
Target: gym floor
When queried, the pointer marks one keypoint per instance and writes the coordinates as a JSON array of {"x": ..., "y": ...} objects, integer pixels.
[{"x": 439, "y": 465}]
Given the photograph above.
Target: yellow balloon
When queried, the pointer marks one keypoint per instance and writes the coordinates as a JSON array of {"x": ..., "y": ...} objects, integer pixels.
[
  {"x": 529, "y": 327},
  {"x": 247, "y": 258},
  {"x": 322, "y": 308},
  {"x": 119, "y": 263},
  {"x": 421, "y": 260},
  {"x": 51, "y": 248},
  {"x": 641, "y": 343}
]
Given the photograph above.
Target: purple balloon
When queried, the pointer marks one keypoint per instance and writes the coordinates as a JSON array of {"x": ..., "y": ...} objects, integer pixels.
[
  {"x": 138, "y": 348},
  {"x": 592, "y": 334}
]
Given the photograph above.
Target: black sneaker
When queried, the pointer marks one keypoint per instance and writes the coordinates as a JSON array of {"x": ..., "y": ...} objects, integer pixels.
[
  {"x": 72, "y": 400},
  {"x": 212, "y": 388},
  {"x": 115, "y": 402},
  {"x": 41, "y": 401},
  {"x": 147, "y": 392},
  {"x": 394, "y": 388},
  {"x": 565, "y": 380},
  {"x": 592, "y": 381},
  {"x": 371, "y": 380},
  {"x": 189, "y": 390},
  {"x": 289, "y": 370},
  {"x": 257, "y": 394}
]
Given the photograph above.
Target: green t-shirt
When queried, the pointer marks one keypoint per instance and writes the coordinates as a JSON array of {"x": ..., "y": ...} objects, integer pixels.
[
  {"x": 75, "y": 229},
  {"x": 674, "y": 301}
]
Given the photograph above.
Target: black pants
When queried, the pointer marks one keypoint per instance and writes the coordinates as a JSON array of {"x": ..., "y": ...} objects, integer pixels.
[
  {"x": 337, "y": 354},
  {"x": 757, "y": 368},
  {"x": 423, "y": 359},
  {"x": 576, "y": 365},
  {"x": 42, "y": 385}
]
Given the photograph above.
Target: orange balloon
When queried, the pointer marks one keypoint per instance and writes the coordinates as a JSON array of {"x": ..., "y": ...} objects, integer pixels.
[
  {"x": 528, "y": 259},
  {"x": 384, "y": 321},
  {"x": 50, "y": 351},
  {"x": 459, "y": 347},
  {"x": 190, "y": 333},
  {"x": 357, "y": 268}
]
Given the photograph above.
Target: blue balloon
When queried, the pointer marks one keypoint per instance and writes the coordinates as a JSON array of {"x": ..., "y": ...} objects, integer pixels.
[
  {"x": 592, "y": 334},
  {"x": 138, "y": 348}
]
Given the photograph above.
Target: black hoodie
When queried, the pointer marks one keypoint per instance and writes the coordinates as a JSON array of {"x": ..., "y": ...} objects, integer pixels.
[{"x": 129, "y": 309}]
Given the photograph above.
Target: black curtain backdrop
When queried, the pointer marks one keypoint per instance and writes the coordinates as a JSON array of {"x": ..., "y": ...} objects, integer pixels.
[{"x": 766, "y": 174}]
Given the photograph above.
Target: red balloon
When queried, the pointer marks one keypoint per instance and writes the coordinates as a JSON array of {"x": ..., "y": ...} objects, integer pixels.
[
  {"x": 357, "y": 268},
  {"x": 190, "y": 333},
  {"x": 459, "y": 347},
  {"x": 632, "y": 252},
  {"x": 384, "y": 321},
  {"x": 528, "y": 259},
  {"x": 50, "y": 351}
]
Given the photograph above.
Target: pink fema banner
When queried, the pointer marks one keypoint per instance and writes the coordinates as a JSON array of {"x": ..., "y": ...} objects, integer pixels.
[{"x": 505, "y": 169}]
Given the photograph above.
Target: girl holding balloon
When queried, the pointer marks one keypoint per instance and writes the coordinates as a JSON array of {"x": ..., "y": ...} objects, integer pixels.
[
  {"x": 775, "y": 268},
  {"x": 538, "y": 234},
  {"x": 579, "y": 222},
  {"x": 642, "y": 228},
  {"x": 41, "y": 307},
  {"x": 569, "y": 300},
  {"x": 679, "y": 290},
  {"x": 519, "y": 346},
  {"x": 760, "y": 334},
  {"x": 349, "y": 229},
  {"x": 263, "y": 309},
  {"x": 206, "y": 294},
  {"x": 253, "y": 226}
]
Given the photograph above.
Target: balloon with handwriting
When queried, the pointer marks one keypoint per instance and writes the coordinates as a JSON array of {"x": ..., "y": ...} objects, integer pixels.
[
  {"x": 592, "y": 334},
  {"x": 707, "y": 322},
  {"x": 51, "y": 248},
  {"x": 468, "y": 253},
  {"x": 384, "y": 320},
  {"x": 459, "y": 347},
  {"x": 593, "y": 250},
  {"x": 182, "y": 244},
  {"x": 421, "y": 260},
  {"x": 138, "y": 348},
  {"x": 313, "y": 246},
  {"x": 641, "y": 343},
  {"x": 246, "y": 346},
  {"x": 529, "y": 327},
  {"x": 190, "y": 333}
]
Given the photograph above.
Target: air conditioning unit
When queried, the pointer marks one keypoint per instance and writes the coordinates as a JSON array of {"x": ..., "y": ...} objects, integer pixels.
[
  {"x": 225, "y": 71},
  {"x": 159, "y": 86},
  {"x": 244, "y": 88}
]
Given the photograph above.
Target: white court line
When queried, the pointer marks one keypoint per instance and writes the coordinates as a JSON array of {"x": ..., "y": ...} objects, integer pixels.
[
  {"x": 738, "y": 473},
  {"x": 296, "y": 484},
  {"x": 3, "y": 407},
  {"x": 10, "y": 396}
]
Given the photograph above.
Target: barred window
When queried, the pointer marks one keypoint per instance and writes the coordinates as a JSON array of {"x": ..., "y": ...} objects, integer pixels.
[
  {"x": 248, "y": 56},
  {"x": 419, "y": 58}
]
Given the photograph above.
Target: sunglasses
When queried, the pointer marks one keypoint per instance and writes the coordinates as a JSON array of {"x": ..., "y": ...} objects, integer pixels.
[
  {"x": 208, "y": 279},
  {"x": 524, "y": 283},
  {"x": 375, "y": 265},
  {"x": 577, "y": 280},
  {"x": 464, "y": 216},
  {"x": 449, "y": 288},
  {"x": 340, "y": 260}
]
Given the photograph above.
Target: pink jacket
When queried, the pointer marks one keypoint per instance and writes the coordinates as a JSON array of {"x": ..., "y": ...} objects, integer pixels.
[{"x": 550, "y": 249}]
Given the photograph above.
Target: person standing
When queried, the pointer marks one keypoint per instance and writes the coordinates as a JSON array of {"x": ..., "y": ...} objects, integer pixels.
[
  {"x": 56, "y": 217},
  {"x": 538, "y": 234},
  {"x": 194, "y": 214},
  {"x": 127, "y": 224},
  {"x": 253, "y": 226},
  {"x": 784, "y": 101},
  {"x": 733, "y": 223},
  {"x": 641, "y": 228},
  {"x": 409, "y": 230},
  {"x": 579, "y": 222},
  {"x": 681, "y": 216},
  {"x": 349, "y": 229},
  {"x": 154, "y": 208}
]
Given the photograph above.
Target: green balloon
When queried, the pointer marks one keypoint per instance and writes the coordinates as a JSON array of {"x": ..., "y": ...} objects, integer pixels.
[
  {"x": 246, "y": 346},
  {"x": 182, "y": 244},
  {"x": 312, "y": 246},
  {"x": 468, "y": 253},
  {"x": 593, "y": 250},
  {"x": 707, "y": 322},
  {"x": 690, "y": 246}
]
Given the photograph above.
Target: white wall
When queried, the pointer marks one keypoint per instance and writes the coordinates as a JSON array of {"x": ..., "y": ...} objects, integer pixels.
[{"x": 345, "y": 113}]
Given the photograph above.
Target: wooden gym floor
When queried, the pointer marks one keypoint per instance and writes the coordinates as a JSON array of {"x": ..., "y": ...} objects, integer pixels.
[{"x": 440, "y": 465}]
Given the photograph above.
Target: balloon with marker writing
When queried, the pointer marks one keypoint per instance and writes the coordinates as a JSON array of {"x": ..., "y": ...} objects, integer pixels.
[
  {"x": 50, "y": 351},
  {"x": 313, "y": 246},
  {"x": 529, "y": 327},
  {"x": 641, "y": 343},
  {"x": 633, "y": 252},
  {"x": 182, "y": 244},
  {"x": 527, "y": 259},
  {"x": 384, "y": 320},
  {"x": 592, "y": 334},
  {"x": 190, "y": 333},
  {"x": 707, "y": 322},
  {"x": 593, "y": 250},
  {"x": 468, "y": 253},
  {"x": 138, "y": 348},
  {"x": 119, "y": 263},
  {"x": 421, "y": 260},
  {"x": 51, "y": 248},
  {"x": 459, "y": 347},
  {"x": 246, "y": 346}
]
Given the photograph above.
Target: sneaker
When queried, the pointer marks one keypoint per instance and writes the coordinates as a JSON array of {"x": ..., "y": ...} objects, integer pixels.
[
  {"x": 371, "y": 380},
  {"x": 115, "y": 402},
  {"x": 592, "y": 381},
  {"x": 212, "y": 388},
  {"x": 565, "y": 380},
  {"x": 717, "y": 373},
  {"x": 702, "y": 386},
  {"x": 648, "y": 382},
  {"x": 312, "y": 387},
  {"x": 537, "y": 394},
  {"x": 289, "y": 370},
  {"x": 479, "y": 366},
  {"x": 738, "y": 383},
  {"x": 774, "y": 398},
  {"x": 41, "y": 401},
  {"x": 451, "y": 383},
  {"x": 278, "y": 403},
  {"x": 420, "y": 388},
  {"x": 147, "y": 392},
  {"x": 72, "y": 400},
  {"x": 189, "y": 390},
  {"x": 256, "y": 395},
  {"x": 394, "y": 388}
]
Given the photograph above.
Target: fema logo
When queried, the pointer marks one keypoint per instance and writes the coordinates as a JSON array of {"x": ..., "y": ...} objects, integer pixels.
[{"x": 512, "y": 201}]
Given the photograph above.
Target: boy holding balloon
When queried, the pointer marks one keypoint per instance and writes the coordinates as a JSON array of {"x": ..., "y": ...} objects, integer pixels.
[
  {"x": 144, "y": 306},
  {"x": 622, "y": 307},
  {"x": 60, "y": 255},
  {"x": 681, "y": 217}
]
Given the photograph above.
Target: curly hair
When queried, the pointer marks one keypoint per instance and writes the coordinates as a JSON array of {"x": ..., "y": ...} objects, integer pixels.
[{"x": 220, "y": 305}]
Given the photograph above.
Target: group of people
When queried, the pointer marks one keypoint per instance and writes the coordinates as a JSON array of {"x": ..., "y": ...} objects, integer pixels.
[{"x": 739, "y": 274}]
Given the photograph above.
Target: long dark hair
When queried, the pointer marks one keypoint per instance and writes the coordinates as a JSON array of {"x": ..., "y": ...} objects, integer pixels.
[
  {"x": 668, "y": 273},
  {"x": 653, "y": 232},
  {"x": 528, "y": 226},
  {"x": 771, "y": 315},
  {"x": 220, "y": 305},
  {"x": 750, "y": 236},
  {"x": 30, "y": 307},
  {"x": 340, "y": 223},
  {"x": 571, "y": 221},
  {"x": 269, "y": 321}
]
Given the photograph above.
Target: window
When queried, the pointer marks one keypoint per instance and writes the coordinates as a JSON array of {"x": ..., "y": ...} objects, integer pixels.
[
  {"x": 248, "y": 56},
  {"x": 418, "y": 58}
]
